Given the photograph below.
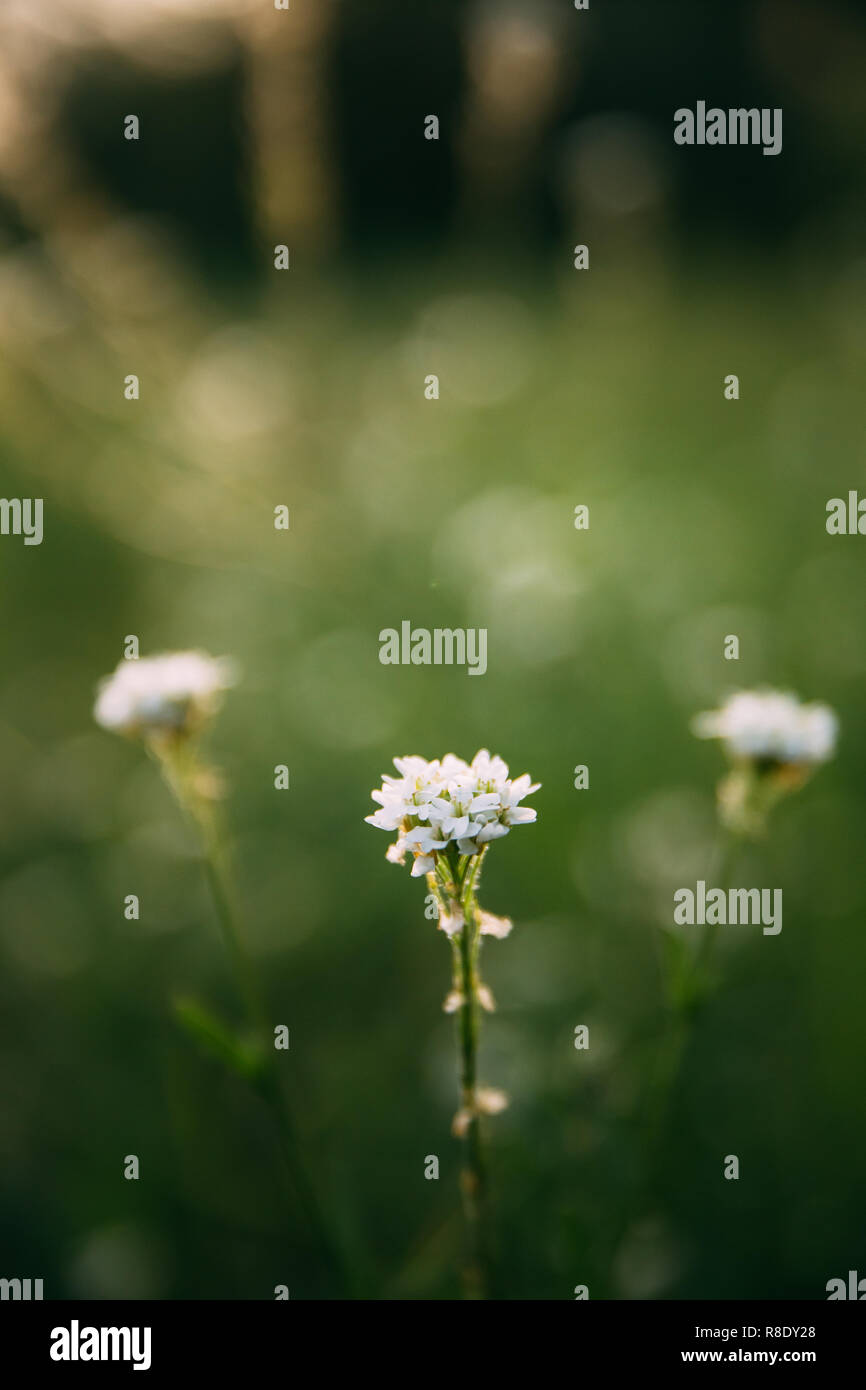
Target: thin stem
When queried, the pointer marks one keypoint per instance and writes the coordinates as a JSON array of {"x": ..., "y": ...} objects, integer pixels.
[
  {"x": 473, "y": 1176},
  {"x": 219, "y": 880},
  {"x": 688, "y": 999},
  {"x": 727, "y": 853},
  {"x": 188, "y": 780}
]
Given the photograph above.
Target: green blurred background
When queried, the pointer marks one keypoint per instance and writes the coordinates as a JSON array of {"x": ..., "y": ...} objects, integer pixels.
[{"x": 306, "y": 388}]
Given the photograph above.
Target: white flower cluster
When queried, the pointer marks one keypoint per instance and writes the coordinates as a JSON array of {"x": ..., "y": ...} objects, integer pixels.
[
  {"x": 435, "y": 804},
  {"x": 172, "y": 693},
  {"x": 767, "y": 724}
]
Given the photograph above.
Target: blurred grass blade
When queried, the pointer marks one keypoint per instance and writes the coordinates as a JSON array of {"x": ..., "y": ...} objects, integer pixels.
[{"x": 217, "y": 1040}]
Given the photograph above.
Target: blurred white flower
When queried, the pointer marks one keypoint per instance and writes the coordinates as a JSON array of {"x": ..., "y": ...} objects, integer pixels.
[
  {"x": 484, "y": 995},
  {"x": 495, "y": 926},
  {"x": 172, "y": 694},
  {"x": 487, "y": 1100},
  {"x": 451, "y": 921},
  {"x": 490, "y": 1100},
  {"x": 772, "y": 726},
  {"x": 774, "y": 742},
  {"x": 450, "y": 802}
]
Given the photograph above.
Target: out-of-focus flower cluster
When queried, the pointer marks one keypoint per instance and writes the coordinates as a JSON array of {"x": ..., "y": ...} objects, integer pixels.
[
  {"x": 773, "y": 726},
  {"x": 775, "y": 742},
  {"x": 169, "y": 695}
]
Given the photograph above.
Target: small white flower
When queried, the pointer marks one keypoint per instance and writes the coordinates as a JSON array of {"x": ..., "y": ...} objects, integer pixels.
[
  {"x": 485, "y": 998},
  {"x": 434, "y": 805},
  {"x": 489, "y": 768},
  {"x": 490, "y": 1100},
  {"x": 461, "y": 1122},
  {"x": 771, "y": 725},
  {"x": 495, "y": 926},
  {"x": 492, "y": 830},
  {"x": 453, "y": 921},
  {"x": 445, "y": 814},
  {"x": 424, "y": 839},
  {"x": 487, "y": 1100},
  {"x": 173, "y": 693}
]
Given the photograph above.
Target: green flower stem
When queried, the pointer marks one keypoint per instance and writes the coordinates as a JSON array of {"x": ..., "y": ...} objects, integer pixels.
[
  {"x": 688, "y": 996},
  {"x": 189, "y": 782},
  {"x": 473, "y": 1178},
  {"x": 667, "y": 1066},
  {"x": 688, "y": 1000},
  {"x": 455, "y": 882},
  {"x": 473, "y": 1175},
  {"x": 219, "y": 880},
  {"x": 727, "y": 854}
]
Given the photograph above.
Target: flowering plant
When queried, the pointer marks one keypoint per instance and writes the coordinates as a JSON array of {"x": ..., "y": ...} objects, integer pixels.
[
  {"x": 774, "y": 743},
  {"x": 446, "y": 814},
  {"x": 167, "y": 702}
]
